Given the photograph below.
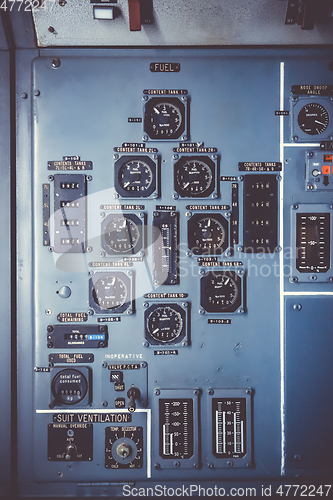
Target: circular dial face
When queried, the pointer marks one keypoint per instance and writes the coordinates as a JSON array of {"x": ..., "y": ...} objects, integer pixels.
[
  {"x": 313, "y": 119},
  {"x": 209, "y": 234},
  {"x": 122, "y": 235},
  {"x": 135, "y": 177},
  {"x": 221, "y": 292},
  {"x": 69, "y": 386},
  {"x": 164, "y": 324},
  {"x": 194, "y": 178},
  {"x": 165, "y": 120},
  {"x": 110, "y": 292}
]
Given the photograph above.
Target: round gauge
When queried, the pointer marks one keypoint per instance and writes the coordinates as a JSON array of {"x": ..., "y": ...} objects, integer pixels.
[
  {"x": 110, "y": 292},
  {"x": 69, "y": 387},
  {"x": 313, "y": 119},
  {"x": 164, "y": 324},
  {"x": 135, "y": 177},
  {"x": 164, "y": 118},
  {"x": 122, "y": 235},
  {"x": 207, "y": 235},
  {"x": 220, "y": 291},
  {"x": 194, "y": 178}
]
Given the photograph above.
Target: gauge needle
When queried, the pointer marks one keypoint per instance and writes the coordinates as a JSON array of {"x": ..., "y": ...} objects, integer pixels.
[
  {"x": 156, "y": 111},
  {"x": 320, "y": 123},
  {"x": 126, "y": 184},
  {"x": 209, "y": 222},
  {"x": 156, "y": 330},
  {"x": 187, "y": 184}
]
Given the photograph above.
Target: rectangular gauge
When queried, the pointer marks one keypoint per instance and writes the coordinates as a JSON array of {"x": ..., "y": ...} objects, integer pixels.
[
  {"x": 313, "y": 242},
  {"x": 69, "y": 336},
  {"x": 70, "y": 213},
  {"x": 165, "y": 248},
  {"x": 235, "y": 214},
  {"x": 260, "y": 213},
  {"x": 177, "y": 428},
  {"x": 229, "y": 427}
]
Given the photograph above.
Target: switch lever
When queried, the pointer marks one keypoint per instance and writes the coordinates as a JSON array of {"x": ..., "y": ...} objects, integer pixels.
[{"x": 133, "y": 393}]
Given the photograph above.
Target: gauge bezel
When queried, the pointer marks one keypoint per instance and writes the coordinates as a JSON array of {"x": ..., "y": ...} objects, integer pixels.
[
  {"x": 132, "y": 217},
  {"x": 153, "y": 163},
  {"x": 183, "y": 309},
  {"x": 297, "y": 104},
  {"x": 204, "y": 299},
  {"x": 181, "y": 104},
  {"x": 85, "y": 373},
  {"x": 192, "y": 226},
  {"x": 212, "y": 164},
  {"x": 127, "y": 307}
]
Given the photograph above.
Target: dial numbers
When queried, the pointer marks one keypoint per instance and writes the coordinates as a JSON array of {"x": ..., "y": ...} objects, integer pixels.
[
  {"x": 194, "y": 177},
  {"x": 313, "y": 119},
  {"x": 110, "y": 292},
  {"x": 221, "y": 291},
  {"x": 136, "y": 177},
  {"x": 122, "y": 234},
  {"x": 165, "y": 324},
  {"x": 207, "y": 235},
  {"x": 164, "y": 118}
]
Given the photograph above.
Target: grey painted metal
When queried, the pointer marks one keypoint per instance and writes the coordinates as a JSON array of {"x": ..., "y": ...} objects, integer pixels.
[
  {"x": 176, "y": 22},
  {"x": 5, "y": 291},
  {"x": 82, "y": 107},
  {"x": 3, "y": 39}
]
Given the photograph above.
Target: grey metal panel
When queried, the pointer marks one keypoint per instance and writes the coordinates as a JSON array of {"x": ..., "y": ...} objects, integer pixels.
[
  {"x": 3, "y": 40},
  {"x": 176, "y": 22},
  {"x": 5, "y": 291},
  {"x": 309, "y": 379}
]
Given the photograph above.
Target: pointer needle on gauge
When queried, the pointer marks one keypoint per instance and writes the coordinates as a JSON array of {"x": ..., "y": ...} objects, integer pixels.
[
  {"x": 156, "y": 111},
  {"x": 320, "y": 123}
]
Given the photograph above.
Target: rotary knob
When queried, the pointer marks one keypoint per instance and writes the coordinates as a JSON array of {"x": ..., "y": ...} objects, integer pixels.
[{"x": 124, "y": 450}]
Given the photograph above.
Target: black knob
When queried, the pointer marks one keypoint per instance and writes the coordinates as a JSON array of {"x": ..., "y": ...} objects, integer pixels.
[{"x": 133, "y": 393}]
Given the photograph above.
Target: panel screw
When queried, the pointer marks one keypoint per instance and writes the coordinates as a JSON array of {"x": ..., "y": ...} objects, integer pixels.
[
  {"x": 51, "y": 249},
  {"x": 104, "y": 364},
  {"x": 214, "y": 196},
  {"x": 228, "y": 253},
  {"x": 90, "y": 312},
  {"x": 50, "y": 328},
  {"x": 278, "y": 249},
  {"x": 50, "y": 345},
  {"x": 196, "y": 392},
  {"x": 55, "y": 62},
  {"x": 248, "y": 391},
  {"x": 188, "y": 214},
  {"x": 89, "y": 249},
  {"x": 230, "y": 463},
  {"x": 36, "y": 93},
  {"x": 313, "y": 277},
  {"x": 188, "y": 253},
  {"x": 293, "y": 279},
  {"x": 239, "y": 249},
  {"x": 196, "y": 466},
  {"x": 184, "y": 137},
  {"x": 240, "y": 310},
  {"x": 145, "y": 138},
  {"x": 62, "y": 3},
  {"x": 24, "y": 95},
  {"x": 202, "y": 311},
  {"x": 157, "y": 466},
  {"x": 214, "y": 157},
  {"x": 295, "y": 138},
  {"x": 240, "y": 178},
  {"x": 185, "y": 305},
  {"x": 227, "y": 214},
  {"x": 105, "y": 404},
  {"x": 102, "y": 214},
  {"x": 51, "y": 29},
  {"x": 144, "y": 364},
  {"x": 184, "y": 98},
  {"x": 175, "y": 157},
  {"x": 176, "y": 464},
  {"x": 145, "y": 344},
  {"x": 240, "y": 272},
  {"x": 210, "y": 465},
  {"x": 297, "y": 307},
  {"x": 48, "y": 312},
  {"x": 102, "y": 254},
  {"x": 157, "y": 392},
  {"x": 175, "y": 196},
  {"x": 146, "y": 304},
  {"x": 129, "y": 273},
  {"x": 295, "y": 207},
  {"x": 145, "y": 98},
  {"x": 310, "y": 154},
  {"x": 210, "y": 391},
  {"x": 202, "y": 272},
  {"x": 249, "y": 465},
  {"x": 309, "y": 187},
  {"x": 298, "y": 457},
  {"x": 89, "y": 178},
  {"x": 330, "y": 279}
]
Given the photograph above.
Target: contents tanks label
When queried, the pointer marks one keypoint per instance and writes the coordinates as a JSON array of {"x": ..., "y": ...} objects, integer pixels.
[{"x": 176, "y": 428}]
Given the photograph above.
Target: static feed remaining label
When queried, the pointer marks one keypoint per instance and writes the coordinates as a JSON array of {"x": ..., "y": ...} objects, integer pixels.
[{"x": 313, "y": 242}]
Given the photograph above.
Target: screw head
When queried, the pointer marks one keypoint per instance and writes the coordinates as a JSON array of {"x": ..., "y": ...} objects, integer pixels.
[
  {"x": 175, "y": 196},
  {"x": 145, "y": 344},
  {"x": 145, "y": 138},
  {"x": 293, "y": 279},
  {"x": 55, "y": 62},
  {"x": 104, "y": 364},
  {"x": 297, "y": 307},
  {"x": 157, "y": 466},
  {"x": 202, "y": 311},
  {"x": 24, "y": 95},
  {"x": 105, "y": 404},
  {"x": 157, "y": 392},
  {"x": 210, "y": 391}
]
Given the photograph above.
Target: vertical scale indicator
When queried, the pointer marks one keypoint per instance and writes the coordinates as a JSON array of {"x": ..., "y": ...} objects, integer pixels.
[
  {"x": 176, "y": 428},
  {"x": 165, "y": 248},
  {"x": 229, "y": 427},
  {"x": 235, "y": 214},
  {"x": 46, "y": 215},
  {"x": 313, "y": 242}
]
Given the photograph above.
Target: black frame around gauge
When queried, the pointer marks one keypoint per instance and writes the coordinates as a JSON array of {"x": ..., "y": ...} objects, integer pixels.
[
  {"x": 298, "y": 133},
  {"x": 192, "y": 236},
  {"x": 212, "y": 166},
  {"x": 122, "y": 308},
  {"x": 105, "y": 240},
  {"x": 182, "y": 337},
  {"x": 153, "y": 165},
  {"x": 56, "y": 374},
  {"x": 206, "y": 280},
  {"x": 181, "y": 132}
]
